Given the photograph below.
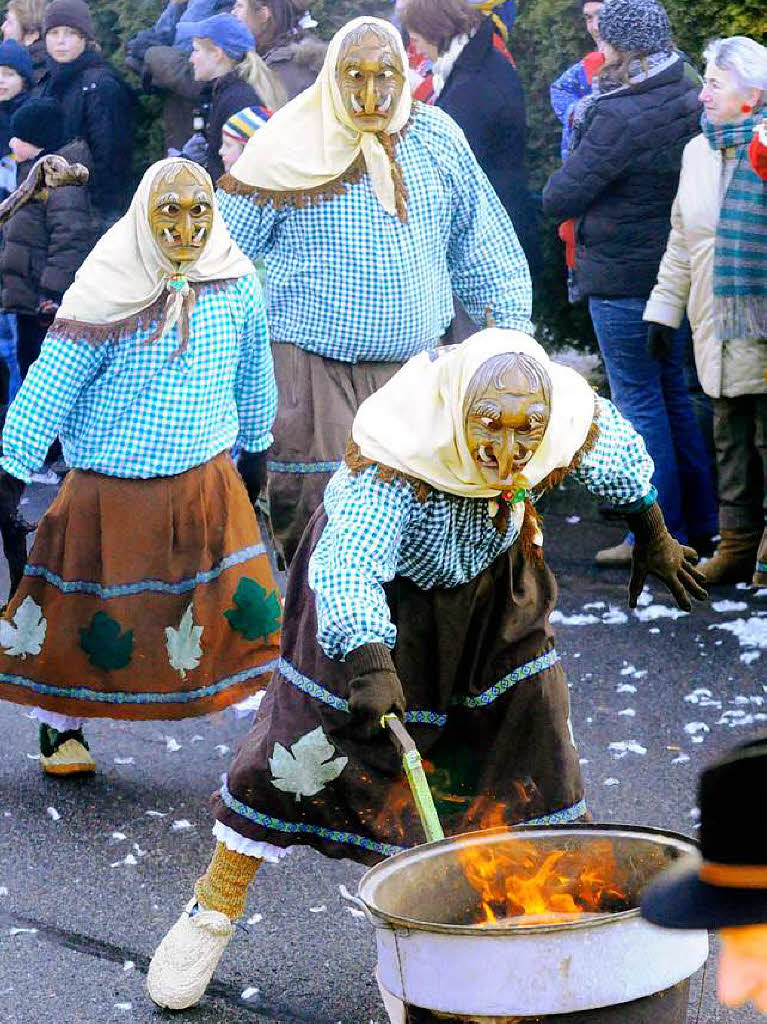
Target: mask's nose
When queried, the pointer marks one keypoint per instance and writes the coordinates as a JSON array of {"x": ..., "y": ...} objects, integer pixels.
[
  {"x": 506, "y": 455},
  {"x": 371, "y": 100}
]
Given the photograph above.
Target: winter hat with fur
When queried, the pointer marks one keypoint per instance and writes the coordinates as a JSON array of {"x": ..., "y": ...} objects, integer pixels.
[
  {"x": 635, "y": 26},
  {"x": 74, "y": 14}
]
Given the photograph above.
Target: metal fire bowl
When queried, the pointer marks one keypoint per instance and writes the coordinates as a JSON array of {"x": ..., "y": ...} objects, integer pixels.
[{"x": 426, "y": 959}]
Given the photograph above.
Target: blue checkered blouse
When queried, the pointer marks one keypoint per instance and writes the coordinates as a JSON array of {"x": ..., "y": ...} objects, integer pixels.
[
  {"x": 128, "y": 409},
  {"x": 376, "y": 531},
  {"x": 349, "y": 281}
]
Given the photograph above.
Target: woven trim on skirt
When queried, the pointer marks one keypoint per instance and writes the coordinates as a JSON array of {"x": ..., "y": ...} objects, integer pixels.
[{"x": 143, "y": 599}]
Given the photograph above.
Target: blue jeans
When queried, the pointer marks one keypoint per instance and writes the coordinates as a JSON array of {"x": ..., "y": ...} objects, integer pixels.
[{"x": 653, "y": 396}]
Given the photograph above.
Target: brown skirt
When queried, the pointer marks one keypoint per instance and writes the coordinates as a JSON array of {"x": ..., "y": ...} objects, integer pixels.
[
  {"x": 318, "y": 400},
  {"x": 143, "y": 599},
  {"x": 488, "y": 707}
]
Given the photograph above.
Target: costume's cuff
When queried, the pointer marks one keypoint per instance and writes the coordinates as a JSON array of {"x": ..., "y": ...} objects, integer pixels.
[
  {"x": 15, "y": 468},
  {"x": 647, "y": 524},
  {"x": 624, "y": 511},
  {"x": 369, "y": 658},
  {"x": 256, "y": 443}
]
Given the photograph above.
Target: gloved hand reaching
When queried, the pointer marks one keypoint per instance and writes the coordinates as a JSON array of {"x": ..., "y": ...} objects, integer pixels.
[
  {"x": 374, "y": 689},
  {"x": 660, "y": 340},
  {"x": 656, "y": 553},
  {"x": 252, "y": 469}
]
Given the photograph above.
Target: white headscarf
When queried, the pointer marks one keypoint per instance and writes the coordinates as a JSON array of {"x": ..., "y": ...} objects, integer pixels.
[
  {"x": 415, "y": 422},
  {"x": 127, "y": 272},
  {"x": 312, "y": 140}
]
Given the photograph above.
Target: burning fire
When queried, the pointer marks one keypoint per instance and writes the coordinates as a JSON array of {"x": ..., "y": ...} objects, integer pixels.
[{"x": 535, "y": 884}]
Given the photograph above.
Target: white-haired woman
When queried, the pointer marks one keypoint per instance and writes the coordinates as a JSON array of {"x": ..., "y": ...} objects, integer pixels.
[{"x": 714, "y": 266}]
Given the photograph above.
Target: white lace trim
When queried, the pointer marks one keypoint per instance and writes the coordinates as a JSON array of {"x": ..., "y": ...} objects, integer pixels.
[
  {"x": 249, "y": 847},
  {"x": 62, "y": 723},
  {"x": 443, "y": 65}
]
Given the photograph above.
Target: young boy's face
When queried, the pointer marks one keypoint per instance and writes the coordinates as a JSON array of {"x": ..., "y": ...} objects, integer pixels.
[
  {"x": 11, "y": 83},
  {"x": 231, "y": 151},
  {"x": 64, "y": 44},
  {"x": 24, "y": 150}
]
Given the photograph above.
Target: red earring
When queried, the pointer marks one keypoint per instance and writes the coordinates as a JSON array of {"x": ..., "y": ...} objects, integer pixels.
[{"x": 746, "y": 108}]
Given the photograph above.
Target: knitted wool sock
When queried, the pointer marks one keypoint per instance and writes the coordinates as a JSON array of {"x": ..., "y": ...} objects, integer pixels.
[{"x": 224, "y": 886}]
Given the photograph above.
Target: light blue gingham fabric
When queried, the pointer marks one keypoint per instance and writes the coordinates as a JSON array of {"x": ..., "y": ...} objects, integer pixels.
[
  {"x": 377, "y": 530},
  {"x": 130, "y": 409},
  {"x": 349, "y": 281}
]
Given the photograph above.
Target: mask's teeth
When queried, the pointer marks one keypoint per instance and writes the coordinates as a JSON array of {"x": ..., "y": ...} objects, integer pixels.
[
  {"x": 200, "y": 235},
  {"x": 168, "y": 236},
  {"x": 356, "y": 105},
  {"x": 384, "y": 107}
]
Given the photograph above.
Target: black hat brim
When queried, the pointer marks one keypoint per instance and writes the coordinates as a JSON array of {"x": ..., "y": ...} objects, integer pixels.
[{"x": 679, "y": 899}]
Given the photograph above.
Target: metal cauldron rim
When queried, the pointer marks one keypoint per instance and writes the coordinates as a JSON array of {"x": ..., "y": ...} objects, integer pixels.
[{"x": 382, "y": 919}]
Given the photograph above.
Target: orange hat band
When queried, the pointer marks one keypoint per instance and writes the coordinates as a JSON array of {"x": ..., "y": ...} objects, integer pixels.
[{"x": 734, "y": 876}]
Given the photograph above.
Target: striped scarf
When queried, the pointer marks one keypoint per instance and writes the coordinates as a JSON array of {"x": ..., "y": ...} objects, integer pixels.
[{"x": 740, "y": 267}]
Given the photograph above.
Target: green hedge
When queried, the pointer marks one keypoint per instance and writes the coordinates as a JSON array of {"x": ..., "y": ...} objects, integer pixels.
[{"x": 547, "y": 37}]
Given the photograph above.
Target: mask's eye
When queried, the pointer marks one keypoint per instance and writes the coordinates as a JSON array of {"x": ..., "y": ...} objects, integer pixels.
[
  {"x": 353, "y": 73},
  {"x": 200, "y": 210},
  {"x": 169, "y": 210}
]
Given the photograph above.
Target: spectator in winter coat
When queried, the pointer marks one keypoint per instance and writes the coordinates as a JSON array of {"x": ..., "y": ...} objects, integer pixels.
[
  {"x": 477, "y": 84},
  {"x": 16, "y": 78},
  {"x": 620, "y": 183},
  {"x": 575, "y": 83},
  {"x": 282, "y": 39},
  {"x": 45, "y": 241},
  {"x": 98, "y": 105},
  {"x": 24, "y": 23},
  {"x": 223, "y": 59},
  {"x": 167, "y": 69},
  {"x": 714, "y": 268}
]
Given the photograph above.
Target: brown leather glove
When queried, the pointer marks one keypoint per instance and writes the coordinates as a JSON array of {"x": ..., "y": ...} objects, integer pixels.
[
  {"x": 374, "y": 689},
  {"x": 656, "y": 553}
]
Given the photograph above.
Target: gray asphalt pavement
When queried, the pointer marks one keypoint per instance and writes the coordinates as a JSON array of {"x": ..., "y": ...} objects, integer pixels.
[{"x": 93, "y": 873}]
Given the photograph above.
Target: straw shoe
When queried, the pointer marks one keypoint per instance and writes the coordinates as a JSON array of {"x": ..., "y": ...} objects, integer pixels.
[{"x": 185, "y": 960}]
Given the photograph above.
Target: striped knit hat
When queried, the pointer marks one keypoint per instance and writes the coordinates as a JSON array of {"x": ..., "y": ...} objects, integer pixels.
[
  {"x": 241, "y": 125},
  {"x": 635, "y": 26}
]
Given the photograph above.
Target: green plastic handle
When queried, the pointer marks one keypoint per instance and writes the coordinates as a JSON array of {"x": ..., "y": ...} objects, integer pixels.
[{"x": 416, "y": 777}]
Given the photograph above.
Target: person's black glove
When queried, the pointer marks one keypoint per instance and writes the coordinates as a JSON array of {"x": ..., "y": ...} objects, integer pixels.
[
  {"x": 374, "y": 689},
  {"x": 11, "y": 490},
  {"x": 656, "y": 553},
  {"x": 252, "y": 468},
  {"x": 660, "y": 341}
]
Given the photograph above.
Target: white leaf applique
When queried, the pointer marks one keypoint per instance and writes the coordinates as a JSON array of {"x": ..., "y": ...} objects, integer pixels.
[
  {"x": 184, "y": 650},
  {"x": 307, "y": 767},
  {"x": 25, "y": 635}
]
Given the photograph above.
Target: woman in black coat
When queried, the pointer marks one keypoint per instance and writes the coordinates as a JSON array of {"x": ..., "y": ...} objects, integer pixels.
[
  {"x": 98, "y": 105},
  {"x": 475, "y": 81},
  {"x": 619, "y": 183}
]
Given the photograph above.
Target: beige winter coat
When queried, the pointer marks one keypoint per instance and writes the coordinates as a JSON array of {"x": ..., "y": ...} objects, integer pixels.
[{"x": 686, "y": 279}]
